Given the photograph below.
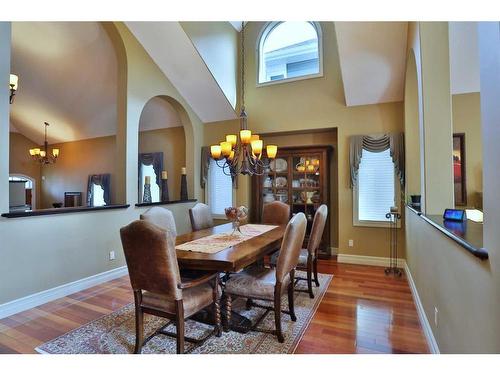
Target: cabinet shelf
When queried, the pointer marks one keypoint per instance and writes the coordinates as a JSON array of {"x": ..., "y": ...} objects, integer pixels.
[{"x": 294, "y": 155}]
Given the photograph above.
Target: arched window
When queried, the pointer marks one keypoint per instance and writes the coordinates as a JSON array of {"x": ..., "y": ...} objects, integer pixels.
[{"x": 289, "y": 50}]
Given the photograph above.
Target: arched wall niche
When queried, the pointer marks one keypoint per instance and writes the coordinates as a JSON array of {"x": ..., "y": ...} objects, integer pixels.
[
  {"x": 412, "y": 128},
  {"x": 161, "y": 130}
]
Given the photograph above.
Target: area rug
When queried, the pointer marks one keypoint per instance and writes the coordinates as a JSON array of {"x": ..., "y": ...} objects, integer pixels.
[{"x": 115, "y": 333}]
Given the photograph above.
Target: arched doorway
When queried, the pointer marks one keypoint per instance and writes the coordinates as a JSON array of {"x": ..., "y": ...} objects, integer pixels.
[{"x": 22, "y": 194}]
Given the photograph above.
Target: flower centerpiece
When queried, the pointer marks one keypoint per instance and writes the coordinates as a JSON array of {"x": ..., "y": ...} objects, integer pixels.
[{"x": 236, "y": 215}]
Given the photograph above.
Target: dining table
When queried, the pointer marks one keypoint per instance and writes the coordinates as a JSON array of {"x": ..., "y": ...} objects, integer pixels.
[{"x": 249, "y": 249}]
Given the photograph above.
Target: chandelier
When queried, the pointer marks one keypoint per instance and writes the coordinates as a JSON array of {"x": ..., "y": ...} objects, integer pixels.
[
  {"x": 43, "y": 156},
  {"x": 243, "y": 155}
]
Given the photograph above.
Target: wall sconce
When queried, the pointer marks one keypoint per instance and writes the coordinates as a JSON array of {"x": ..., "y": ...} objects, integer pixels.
[{"x": 13, "y": 87}]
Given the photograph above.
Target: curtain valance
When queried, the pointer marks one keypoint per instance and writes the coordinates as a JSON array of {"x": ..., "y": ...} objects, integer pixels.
[
  {"x": 104, "y": 181},
  {"x": 156, "y": 160},
  {"x": 374, "y": 143}
]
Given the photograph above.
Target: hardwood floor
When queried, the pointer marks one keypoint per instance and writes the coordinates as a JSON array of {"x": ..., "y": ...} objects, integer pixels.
[{"x": 363, "y": 311}]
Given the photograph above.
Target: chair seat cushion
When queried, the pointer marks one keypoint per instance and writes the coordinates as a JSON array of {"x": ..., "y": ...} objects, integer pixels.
[
  {"x": 302, "y": 258},
  {"x": 194, "y": 299},
  {"x": 254, "y": 282}
]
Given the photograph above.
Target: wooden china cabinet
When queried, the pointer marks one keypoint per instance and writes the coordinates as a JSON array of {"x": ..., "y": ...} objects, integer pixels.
[{"x": 299, "y": 176}]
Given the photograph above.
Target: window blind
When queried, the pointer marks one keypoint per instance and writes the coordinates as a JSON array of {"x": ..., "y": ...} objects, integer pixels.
[
  {"x": 220, "y": 189},
  {"x": 376, "y": 184}
]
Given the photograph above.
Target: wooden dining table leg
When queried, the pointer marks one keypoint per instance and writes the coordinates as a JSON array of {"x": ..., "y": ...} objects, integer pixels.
[
  {"x": 179, "y": 326},
  {"x": 227, "y": 320}
]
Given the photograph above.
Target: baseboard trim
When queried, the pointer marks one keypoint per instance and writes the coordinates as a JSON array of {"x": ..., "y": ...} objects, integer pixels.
[
  {"x": 37, "y": 299},
  {"x": 367, "y": 260},
  {"x": 424, "y": 322}
]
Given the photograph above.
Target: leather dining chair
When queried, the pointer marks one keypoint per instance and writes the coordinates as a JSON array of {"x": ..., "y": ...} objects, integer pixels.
[
  {"x": 275, "y": 213},
  {"x": 308, "y": 258},
  {"x": 266, "y": 284},
  {"x": 200, "y": 217},
  {"x": 157, "y": 285},
  {"x": 162, "y": 217}
]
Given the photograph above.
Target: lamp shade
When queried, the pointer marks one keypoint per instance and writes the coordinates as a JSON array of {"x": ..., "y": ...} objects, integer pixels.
[
  {"x": 55, "y": 152},
  {"x": 225, "y": 148},
  {"x": 13, "y": 82},
  {"x": 245, "y": 136},
  {"x": 215, "y": 151},
  {"x": 271, "y": 150},
  {"x": 232, "y": 139},
  {"x": 257, "y": 146}
]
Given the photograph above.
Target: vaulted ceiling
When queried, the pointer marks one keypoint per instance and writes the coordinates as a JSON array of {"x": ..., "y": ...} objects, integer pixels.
[
  {"x": 175, "y": 54},
  {"x": 372, "y": 60}
]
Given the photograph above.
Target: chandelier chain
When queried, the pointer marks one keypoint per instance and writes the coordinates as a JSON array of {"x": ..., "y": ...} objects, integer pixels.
[{"x": 242, "y": 65}]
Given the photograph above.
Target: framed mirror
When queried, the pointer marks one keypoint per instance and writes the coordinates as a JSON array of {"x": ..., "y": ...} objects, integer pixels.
[{"x": 459, "y": 174}]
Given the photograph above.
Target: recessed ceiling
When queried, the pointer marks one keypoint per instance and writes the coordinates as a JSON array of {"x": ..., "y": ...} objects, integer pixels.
[
  {"x": 67, "y": 77},
  {"x": 373, "y": 60}
]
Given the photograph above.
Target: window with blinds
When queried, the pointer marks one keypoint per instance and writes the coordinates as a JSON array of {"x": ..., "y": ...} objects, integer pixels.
[
  {"x": 376, "y": 190},
  {"x": 220, "y": 189}
]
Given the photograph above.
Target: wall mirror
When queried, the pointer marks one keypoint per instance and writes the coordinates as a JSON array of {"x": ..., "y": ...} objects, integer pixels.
[{"x": 79, "y": 103}]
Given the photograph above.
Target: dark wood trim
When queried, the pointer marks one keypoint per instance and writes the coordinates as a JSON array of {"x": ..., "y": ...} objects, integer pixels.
[
  {"x": 479, "y": 252},
  {"x": 165, "y": 203},
  {"x": 463, "y": 160},
  {"x": 62, "y": 210}
]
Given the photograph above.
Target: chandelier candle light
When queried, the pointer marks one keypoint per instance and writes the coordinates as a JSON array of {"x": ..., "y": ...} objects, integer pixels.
[
  {"x": 243, "y": 156},
  {"x": 42, "y": 156}
]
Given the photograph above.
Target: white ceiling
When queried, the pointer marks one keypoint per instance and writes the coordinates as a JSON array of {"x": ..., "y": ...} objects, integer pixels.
[
  {"x": 464, "y": 57},
  {"x": 67, "y": 77},
  {"x": 158, "y": 113},
  {"x": 372, "y": 59},
  {"x": 174, "y": 53}
]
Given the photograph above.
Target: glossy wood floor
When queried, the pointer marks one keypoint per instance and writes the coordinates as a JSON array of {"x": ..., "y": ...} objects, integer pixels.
[{"x": 363, "y": 311}]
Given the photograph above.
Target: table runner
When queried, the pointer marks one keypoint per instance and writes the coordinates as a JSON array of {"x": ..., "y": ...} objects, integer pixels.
[{"x": 220, "y": 241}]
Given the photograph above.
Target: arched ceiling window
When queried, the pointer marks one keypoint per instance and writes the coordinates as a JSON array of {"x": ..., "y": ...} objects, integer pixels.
[{"x": 290, "y": 50}]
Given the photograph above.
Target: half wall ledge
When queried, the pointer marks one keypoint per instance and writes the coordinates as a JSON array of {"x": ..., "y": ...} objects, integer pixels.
[
  {"x": 63, "y": 210},
  {"x": 470, "y": 239}
]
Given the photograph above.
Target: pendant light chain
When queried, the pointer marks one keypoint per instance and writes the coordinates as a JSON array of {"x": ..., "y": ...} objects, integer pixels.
[{"x": 242, "y": 66}]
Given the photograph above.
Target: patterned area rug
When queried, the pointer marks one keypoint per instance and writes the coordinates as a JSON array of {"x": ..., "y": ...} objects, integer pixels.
[{"x": 115, "y": 333}]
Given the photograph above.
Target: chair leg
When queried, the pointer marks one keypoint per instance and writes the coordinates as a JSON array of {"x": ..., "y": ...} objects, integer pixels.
[
  {"x": 291, "y": 306},
  {"x": 315, "y": 266},
  {"x": 139, "y": 323},
  {"x": 277, "y": 313},
  {"x": 227, "y": 320},
  {"x": 179, "y": 326},
  {"x": 309, "y": 276},
  {"x": 217, "y": 329},
  {"x": 248, "y": 304}
]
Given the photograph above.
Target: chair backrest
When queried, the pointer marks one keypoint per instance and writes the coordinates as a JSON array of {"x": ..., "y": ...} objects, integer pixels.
[
  {"x": 318, "y": 226},
  {"x": 200, "y": 217},
  {"x": 291, "y": 245},
  {"x": 162, "y": 217},
  {"x": 275, "y": 213},
  {"x": 151, "y": 259}
]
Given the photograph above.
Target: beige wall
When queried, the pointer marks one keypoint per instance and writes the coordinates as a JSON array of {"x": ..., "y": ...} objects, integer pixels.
[
  {"x": 20, "y": 161},
  {"x": 76, "y": 162},
  {"x": 467, "y": 119},
  {"x": 316, "y": 103},
  {"x": 172, "y": 142}
]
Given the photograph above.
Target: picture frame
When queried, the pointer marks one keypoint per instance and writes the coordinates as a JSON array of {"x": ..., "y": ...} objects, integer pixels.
[{"x": 459, "y": 170}]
